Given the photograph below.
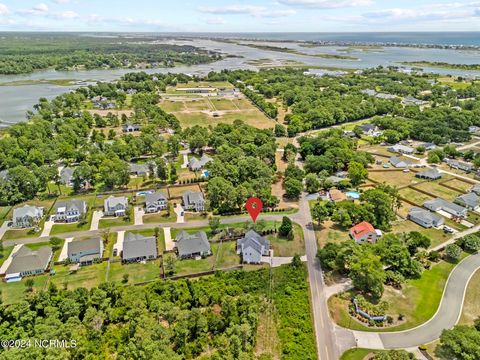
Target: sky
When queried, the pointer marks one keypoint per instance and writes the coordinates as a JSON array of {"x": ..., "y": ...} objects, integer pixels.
[{"x": 240, "y": 15}]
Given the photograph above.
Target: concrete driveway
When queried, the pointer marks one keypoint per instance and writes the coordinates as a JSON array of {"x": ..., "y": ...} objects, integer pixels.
[
  {"x": 3, "y": 229},
  {"x": 47, "y": 227},
  {"x": 97, "y": 215},
  {"x": 169, "y": 244},
  {"x": 138, "y": 213},
  {"x": 7, "y": 262},
  {"x": 276, "y": 261},
  {"x": 64, "y": 252},
  {"x": 179, "y": 210},
  {"x": 119, "y": 244}
]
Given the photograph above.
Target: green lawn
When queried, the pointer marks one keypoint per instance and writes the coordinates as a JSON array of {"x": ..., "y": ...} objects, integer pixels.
[
  {"x": 66, "y": 228},
  {"x": 137, "y": 272},
  {"x": 21, "y": 233},
  {"x": 225, "y": 254},
  {"x": 87, "y": 276},
  {"x": 193, "y": 216},
  {"x": 436, "y": 236},
  {"x": 14, "y": 292},
  {"x": 360, "y": 354},
  {"x": 192, "y": 266},
  {"x": 285, "y": 247},
  {"x": 160, "y": 217},
  {"x": 418, "y": 300},
  {"x": 4, "y": 210},
  {"x": 111, "y": 222},
  {"x": 5, "y": 254}
]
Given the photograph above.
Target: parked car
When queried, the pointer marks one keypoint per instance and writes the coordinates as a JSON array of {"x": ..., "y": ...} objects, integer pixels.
[{"x": 448, "y": 229}]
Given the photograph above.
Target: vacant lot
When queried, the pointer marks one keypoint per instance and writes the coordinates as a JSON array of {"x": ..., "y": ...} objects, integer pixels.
[
  {"x": 416, "y": 196},
  {"x": 14, "y": 292},
  {"x": 136, "y": 272},
  {"x": 251, "y": 117},
  {"x": 459, "y": 184},
  {"x": 285, "y": 247},
  {"x": 177, "y": 192},
  {"x": 434, "y": 188},
  {"x": 436, "y": 236},
  {"x": 87, "y": 276},
  {"x": 393, "y": 177}
]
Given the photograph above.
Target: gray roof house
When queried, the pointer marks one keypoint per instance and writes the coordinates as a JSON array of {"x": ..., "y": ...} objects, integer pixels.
[
  {"x": 139, "y": 169},
  {"x": 193, "y": 201},
  {"x": 197, "y": 164},
  {"x": 409, "y": 101},
  {"x": 27, "y": 262},
  {"x": 400, "y": 163},
  {"x": 252, "y": 247},
  {"x": 192, "y": 245},
  {"x": 368, "y": 129},
  {"x": 27, "y": 216},
  {"x": 66, "y": 176},
  {"x": 137, "y": 247},
  {"x": 401, "y": 149},
  {"x": 155, "y": 202},
  {"x": 85, "y": 252},
  {"x": 440, "y": 204},
  {"x": 430, "y": 174},
  {"x": 429, "y": 146},
  {"x": 70, "y": 211},
  {"x": 471, "y": 201},
  {"x": 424, "y": 218},
  {"x": 476, "y": 189},
  {"x": 115, "y": 206},
  {"x": 455, "y": 164}
]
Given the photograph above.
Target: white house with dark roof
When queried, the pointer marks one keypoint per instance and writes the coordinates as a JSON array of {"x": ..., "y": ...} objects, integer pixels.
[
  {"x": 137, "y": 247},
  {"x": 252, "y": 247},
  {"x": 197, "y": 164},
  {"x": 425, "y": 218},
  {"x": 115, "y": 206},
  {"x": 85, "y": 252},
  {"x": 471, "y": 201},
  {"x": 128, "y": 128},
  {"x": 440, "y": 204},
  {"x": 155, "y": 202},
  {"x": 70, "y": 211},
  {"x": 27, "y": 216},
  {"x": 193, "y": 201},
  {"x": 27, "y": 262},
  {"x": 192, "y": 245}
]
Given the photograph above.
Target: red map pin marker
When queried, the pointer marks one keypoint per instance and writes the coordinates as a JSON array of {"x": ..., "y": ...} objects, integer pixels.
[{"x": 254, "y": 206}]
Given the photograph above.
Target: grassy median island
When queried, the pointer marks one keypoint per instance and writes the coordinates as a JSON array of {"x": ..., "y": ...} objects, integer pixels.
[{"x": 418, "y": 300}]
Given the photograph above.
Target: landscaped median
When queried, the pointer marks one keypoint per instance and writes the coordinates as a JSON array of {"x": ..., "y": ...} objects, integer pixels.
[{"x": 411, "y": 306}]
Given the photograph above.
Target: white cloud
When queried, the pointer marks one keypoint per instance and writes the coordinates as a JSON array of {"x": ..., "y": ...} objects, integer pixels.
[
  {"x": 65, "y": 15},
  {"x": 327, "y": 4},
  {"x": 39, "y": 9},
  {"x": 215, "y": 21},
  {"x": 256, "y": 11},
  {"x": 3, "y": 9},
  {"x": 61, "y": 1}
]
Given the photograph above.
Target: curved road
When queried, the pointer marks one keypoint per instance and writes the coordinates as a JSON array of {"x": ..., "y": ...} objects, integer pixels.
[{"x": 447, "y": 315}]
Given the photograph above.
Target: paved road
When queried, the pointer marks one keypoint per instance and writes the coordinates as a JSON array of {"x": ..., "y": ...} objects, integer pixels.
[
  {"x": 191, "y": 224},
  {"x": 457, "y": 236},
  {"x": 447, "y": 314},
  {"x": 324, "y": 328}
]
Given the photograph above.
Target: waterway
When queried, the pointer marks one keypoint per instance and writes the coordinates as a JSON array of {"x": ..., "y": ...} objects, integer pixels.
[{"x": 17, "y": 99}]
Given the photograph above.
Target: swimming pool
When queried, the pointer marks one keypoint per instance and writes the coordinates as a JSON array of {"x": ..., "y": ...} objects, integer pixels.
[
  {"x": 206, "y": 173},
  {"x": 353, "y": 195},
  {"x": 143, "y": 193}
]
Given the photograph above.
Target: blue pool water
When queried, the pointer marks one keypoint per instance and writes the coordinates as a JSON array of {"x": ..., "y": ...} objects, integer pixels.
[
  {"x": 206, "y": 173},
  {"x": 353, "y": 195},
  {"x": 143, "y": 193}
]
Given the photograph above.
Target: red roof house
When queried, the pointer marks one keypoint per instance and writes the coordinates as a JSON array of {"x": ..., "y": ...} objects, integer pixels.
[{"x": 364, "y": 232}]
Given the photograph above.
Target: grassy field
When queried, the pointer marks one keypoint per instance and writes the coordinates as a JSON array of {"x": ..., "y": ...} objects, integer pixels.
[
  {"x": 459, "y": 184},
  {"x": 177, "y": 192},
  {"x": 360, "y": 354},
  {"x": 471, "y": 305},
  {"x": 434, "y": 188},
  {"x": 393, "y": 177},
  {"x": 284, "y": 247},
  {"x": 252, "y": 117},
  {"x": 416, "y": 196},
  {"x": 87, "y": 276},
  {"x": 172, "y": 106},
  {"x": 137, "y": 272},
  {"x": 14, "y": 292},
  {"x": 4, "y": 210},
  {"x": 418, "y": 301}
]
